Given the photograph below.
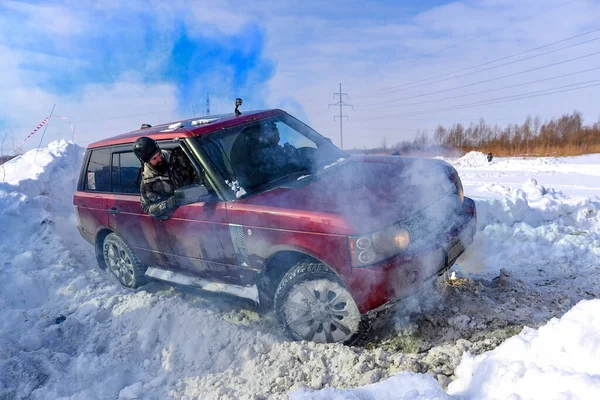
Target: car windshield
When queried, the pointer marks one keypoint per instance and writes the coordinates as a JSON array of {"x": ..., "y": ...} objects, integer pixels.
[{"x": 258, "y": 155}]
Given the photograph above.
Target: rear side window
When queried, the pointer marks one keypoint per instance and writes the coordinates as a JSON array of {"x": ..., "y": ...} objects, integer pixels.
[
  {"x": 125, "y": 170},
  {"x": 97, "y": 177}
]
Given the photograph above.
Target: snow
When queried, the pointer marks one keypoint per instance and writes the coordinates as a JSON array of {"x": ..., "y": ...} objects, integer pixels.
[
  {"x": 561, "y": 357},
  {"x": 559, "y": 360},
  {"x": 339, "y": 160},
  {"x": 471, "y": 159},
  {"x": 519, "y": 319},
  {"x": 236, "y": 188},
  {"x": 403, "y": 386},
  {"x": 203, "y": 121}
]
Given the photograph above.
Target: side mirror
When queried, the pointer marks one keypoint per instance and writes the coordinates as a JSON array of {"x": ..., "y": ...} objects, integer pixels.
[{"x": 191, "y": 194}]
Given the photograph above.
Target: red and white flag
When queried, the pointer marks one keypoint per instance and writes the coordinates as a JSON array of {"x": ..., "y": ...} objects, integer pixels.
[{"x": 37, "y": 128}]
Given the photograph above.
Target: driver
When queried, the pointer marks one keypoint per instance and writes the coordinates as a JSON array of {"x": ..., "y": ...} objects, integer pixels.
[
  {"x": 273, "y": 154},
  {"x": 259, "y": 157}
]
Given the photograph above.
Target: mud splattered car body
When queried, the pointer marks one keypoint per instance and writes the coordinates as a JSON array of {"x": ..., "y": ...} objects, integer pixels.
[{"x": 285, "y": 218}]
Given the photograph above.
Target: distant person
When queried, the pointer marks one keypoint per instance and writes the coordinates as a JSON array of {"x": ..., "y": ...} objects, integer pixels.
[
  {"x": 490, "y": 157},
  {"x": 163, "y": 171}
]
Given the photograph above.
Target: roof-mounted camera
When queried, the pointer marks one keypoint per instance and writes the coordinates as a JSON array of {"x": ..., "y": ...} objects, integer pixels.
[{"x": 238, "y": 102}]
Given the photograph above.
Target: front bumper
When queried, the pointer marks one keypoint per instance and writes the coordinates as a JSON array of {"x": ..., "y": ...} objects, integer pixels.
[{"x": 379, "y": 286}]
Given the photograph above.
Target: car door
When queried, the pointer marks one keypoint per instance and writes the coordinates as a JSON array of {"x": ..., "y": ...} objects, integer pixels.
[
  {"x": 126, "y": 216},
  {"x": 201, "y": 239}
]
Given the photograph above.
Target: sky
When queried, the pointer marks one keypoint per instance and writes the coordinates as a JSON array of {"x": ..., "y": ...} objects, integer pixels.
[{"x": 406, "y": 66}]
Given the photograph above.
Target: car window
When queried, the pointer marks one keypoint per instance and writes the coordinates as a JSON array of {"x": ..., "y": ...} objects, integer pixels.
[
  {"x": 97, "y": 177},
  {"x": 125, "y": 173},
  {"x": 116, "y": 180},
  {"x": 289, "y": 135},
  {"x": 261, "y": 153}
]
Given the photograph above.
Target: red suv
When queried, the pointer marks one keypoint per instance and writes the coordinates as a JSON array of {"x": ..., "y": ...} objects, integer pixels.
[{"x": 328, "y": 239}]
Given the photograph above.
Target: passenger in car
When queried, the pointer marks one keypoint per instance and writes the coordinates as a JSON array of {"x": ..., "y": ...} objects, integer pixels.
[{"x": 163, "y": 171}]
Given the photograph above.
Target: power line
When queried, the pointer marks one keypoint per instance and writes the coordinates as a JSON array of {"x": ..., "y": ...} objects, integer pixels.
[
  {"x": 494, "y": 67},
  {"x": 490, "y": 80},
  {"x": 483, "y": 64},
  {"x": 480, "y": 92},
  {"x": 521, "y": 96},
  {"x": 474, "y": 37},
  {"x": 341, "y": 116}
]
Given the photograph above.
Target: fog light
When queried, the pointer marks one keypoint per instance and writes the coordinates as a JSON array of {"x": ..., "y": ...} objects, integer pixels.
[
  {"x": 363, "y": 243},
  {"x": 366, "y": 256},
  {"x": 413, "y": 277}
]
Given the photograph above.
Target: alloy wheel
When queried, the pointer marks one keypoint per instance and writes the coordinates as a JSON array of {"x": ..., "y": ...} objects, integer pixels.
[
  {"x": 322, "y": 311},
  {"x": 119, "y": 263}
]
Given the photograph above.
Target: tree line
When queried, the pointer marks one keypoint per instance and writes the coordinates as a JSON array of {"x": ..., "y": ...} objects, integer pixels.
[{"x": 564, "y": 136}]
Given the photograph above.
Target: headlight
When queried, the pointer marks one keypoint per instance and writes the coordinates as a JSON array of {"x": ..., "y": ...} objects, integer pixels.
[
  {"x": 455, "y": 179},
  {"x": 376, "y": 246},
  {"x": 391, "y": 239},
  {"x": 459, "y": 189}
]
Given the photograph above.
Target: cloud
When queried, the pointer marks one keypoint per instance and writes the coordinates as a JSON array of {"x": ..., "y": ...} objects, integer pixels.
[
  {"x": 370, "y": 53},
  {"x": 284, "y": 56},
  {"x": 145, "y": 47}
]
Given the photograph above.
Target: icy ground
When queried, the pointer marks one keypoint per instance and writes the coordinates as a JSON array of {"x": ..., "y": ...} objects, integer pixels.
[{"x": 69, "y": 330}]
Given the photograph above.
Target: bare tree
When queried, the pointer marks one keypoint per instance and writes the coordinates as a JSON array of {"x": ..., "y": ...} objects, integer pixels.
[
  {"x": 440, "y": 135},
  {"x": 384, "y": 143}
]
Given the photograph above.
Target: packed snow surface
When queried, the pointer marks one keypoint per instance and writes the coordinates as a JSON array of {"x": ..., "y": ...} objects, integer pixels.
[
  {"x": 70, "y": 331},
  {"x": 559, "y": 360}
]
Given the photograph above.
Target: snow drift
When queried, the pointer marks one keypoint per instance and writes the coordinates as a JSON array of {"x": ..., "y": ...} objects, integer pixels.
[
  {"x": 557, "y": 361},
  {"x": 69, "y": 330}
]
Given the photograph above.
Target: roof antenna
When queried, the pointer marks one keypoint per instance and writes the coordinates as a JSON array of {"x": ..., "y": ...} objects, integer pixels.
[{"x": 238, "y": 102}]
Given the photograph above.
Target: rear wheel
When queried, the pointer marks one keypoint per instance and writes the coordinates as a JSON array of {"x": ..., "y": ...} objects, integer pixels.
[
  {"x": 122, "y": 262},
  {"x": 312, "y": 303}
]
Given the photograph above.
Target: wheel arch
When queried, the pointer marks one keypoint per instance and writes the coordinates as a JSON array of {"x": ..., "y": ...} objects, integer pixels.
[
  {"x": 279, "y": 263},
  {"x": 100, "y": 236}
]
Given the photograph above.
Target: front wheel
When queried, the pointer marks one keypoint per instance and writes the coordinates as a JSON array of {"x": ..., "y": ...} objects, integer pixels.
[
  {"x": 122, "y": 262},
  {"x": 312, "y": 303}
]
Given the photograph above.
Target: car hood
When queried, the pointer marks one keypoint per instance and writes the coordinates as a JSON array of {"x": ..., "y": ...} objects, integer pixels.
[{"x": 364, "y": 194}]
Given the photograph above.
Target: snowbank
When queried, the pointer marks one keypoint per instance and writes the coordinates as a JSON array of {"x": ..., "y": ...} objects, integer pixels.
[
  {"x": 472, "y": 159},
  {"x": 69, "y": 330},
  {"x": 540, "y": 234},
  {"x": 535, "y": 205},
  {"x": 403, "y": 386},
  {"x": 559, "y": 360}
]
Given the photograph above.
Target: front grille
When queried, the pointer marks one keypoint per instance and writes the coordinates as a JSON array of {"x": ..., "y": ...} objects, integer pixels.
[{"x": 433, "y": 222}]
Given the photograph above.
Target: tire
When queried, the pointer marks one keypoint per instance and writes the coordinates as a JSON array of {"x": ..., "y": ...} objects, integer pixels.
[
  {"x": 122, "y": 262},
  {"x": 312, "y": 303}
]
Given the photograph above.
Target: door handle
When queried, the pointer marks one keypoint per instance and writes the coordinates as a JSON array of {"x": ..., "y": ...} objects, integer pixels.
[{"x": 113, "y": 211}]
